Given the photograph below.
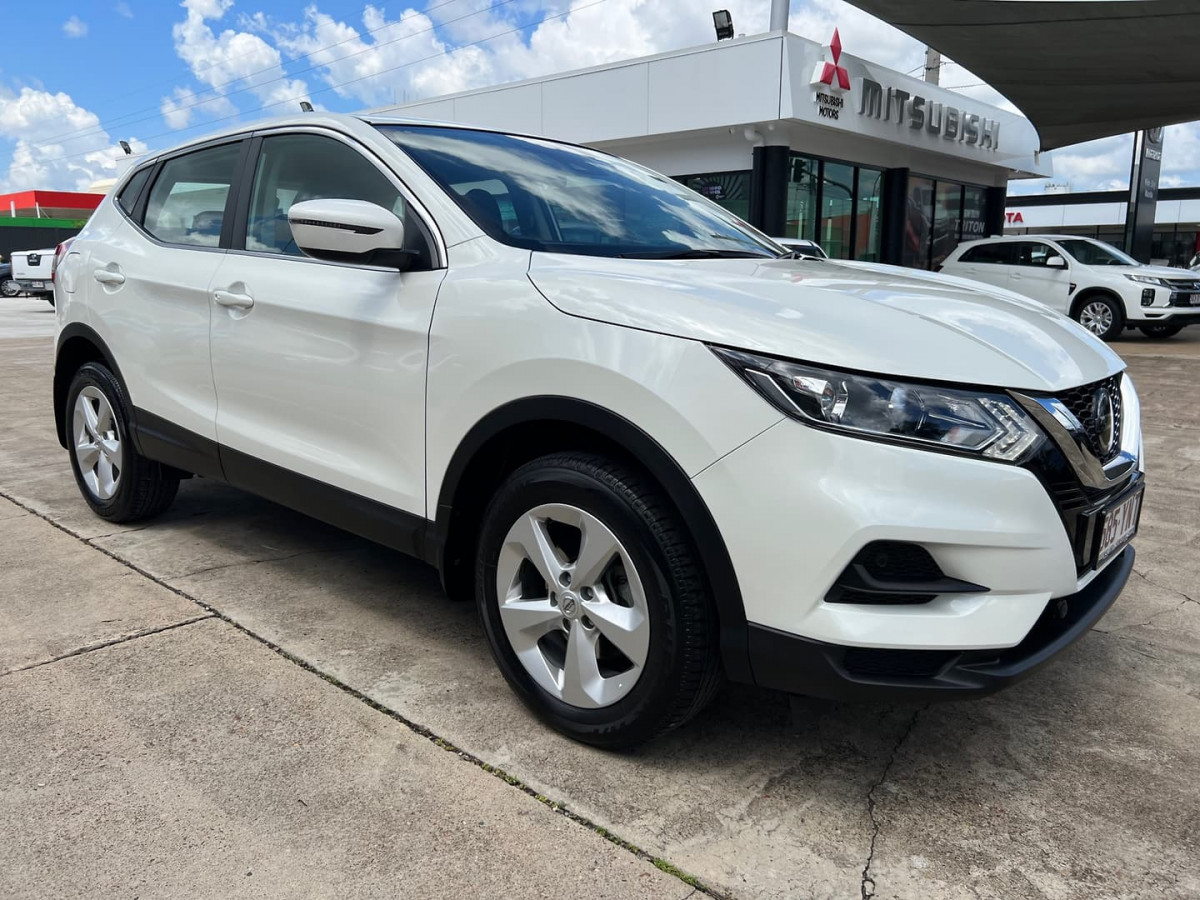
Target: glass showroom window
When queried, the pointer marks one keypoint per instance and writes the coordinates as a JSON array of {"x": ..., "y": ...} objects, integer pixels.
[
  {"x": 837, "y": 209},
  {"x": 728, "y": 189},
  {"x": 918, "y": 223},
  {"x": 947, "y": 221},
  {"x": 803, "y": 190},
  {"x": 868, "y": 214}
]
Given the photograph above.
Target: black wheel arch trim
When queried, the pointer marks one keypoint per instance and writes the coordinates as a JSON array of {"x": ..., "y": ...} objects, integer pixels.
[
  {"x": 653, "y": 457},
  {"x": 62, "y": 379}
]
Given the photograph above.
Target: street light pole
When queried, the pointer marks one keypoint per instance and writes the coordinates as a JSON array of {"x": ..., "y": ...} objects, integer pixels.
[{"x": 933, "y": 65}]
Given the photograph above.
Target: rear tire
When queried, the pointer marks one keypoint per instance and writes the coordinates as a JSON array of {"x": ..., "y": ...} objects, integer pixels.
[
  {"x": 1102, "y": 316},
  {"x": 1160, "y": 332},
  {"x": 9, "y": 288},
  {"x": 118, "y": 483},
  {"x": 593, "y": 601}
]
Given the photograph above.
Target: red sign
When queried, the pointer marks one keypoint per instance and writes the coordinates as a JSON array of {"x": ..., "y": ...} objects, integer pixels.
[
  {"x": 1014, "y": 218},
  {"x": 831, "y": 69}
]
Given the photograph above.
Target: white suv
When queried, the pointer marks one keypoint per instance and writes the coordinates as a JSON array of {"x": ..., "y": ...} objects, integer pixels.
[
  {"x": 1091, "y": 281},
  {"x": 651, "y": 447}
]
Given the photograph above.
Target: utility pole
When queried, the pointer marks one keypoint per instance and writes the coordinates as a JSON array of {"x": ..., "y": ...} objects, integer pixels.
[
  {"x": 933, "y": 65},
  {"x": 779, "y": 15}
]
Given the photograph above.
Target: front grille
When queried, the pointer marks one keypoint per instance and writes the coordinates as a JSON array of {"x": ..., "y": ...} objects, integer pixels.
[
  {"x": 1081, "y": 401},
  {"x": 1183, "y": 284}
]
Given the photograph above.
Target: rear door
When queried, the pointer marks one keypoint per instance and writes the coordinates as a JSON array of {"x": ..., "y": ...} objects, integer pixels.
[
  {"x": 320, "y": 366},
  {"x": 990, "y": 263},
  {"x": 147, "y": 280}
]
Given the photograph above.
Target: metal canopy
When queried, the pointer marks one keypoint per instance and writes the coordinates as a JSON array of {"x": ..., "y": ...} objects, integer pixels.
[{"x": 1078, "y": 69}]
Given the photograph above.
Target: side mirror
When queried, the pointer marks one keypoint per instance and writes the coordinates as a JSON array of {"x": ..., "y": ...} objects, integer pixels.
[
  {"x": 349, "y": 231},
  {"x": 1055, "y": 262}
]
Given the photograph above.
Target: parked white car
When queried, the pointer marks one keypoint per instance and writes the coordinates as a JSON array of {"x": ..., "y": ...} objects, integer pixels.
[
  {"x": 1094, "y": 283},
  {"x": 802, "y": 247},
  {"x": 652, "y": 447},
  {"x": 33, "y": 272}
]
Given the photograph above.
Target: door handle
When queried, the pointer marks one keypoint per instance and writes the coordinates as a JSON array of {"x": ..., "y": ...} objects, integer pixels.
[
  {"x": 1017, "y": 276},
  {"x": 233, "y": 300},
  {"x": 108, "y": 276}
]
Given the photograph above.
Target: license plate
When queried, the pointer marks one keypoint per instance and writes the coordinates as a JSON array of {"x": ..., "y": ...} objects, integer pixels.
[
  {"x": 1194, "y": 300},
  {"x": 1118, "y": 526},
  {"x": 38, "y": 284}
]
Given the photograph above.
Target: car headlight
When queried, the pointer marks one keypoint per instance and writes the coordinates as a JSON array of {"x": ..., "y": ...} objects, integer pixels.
[
  {"x": 1148, "y": 279},
  {"x": 976, "y": 423}
]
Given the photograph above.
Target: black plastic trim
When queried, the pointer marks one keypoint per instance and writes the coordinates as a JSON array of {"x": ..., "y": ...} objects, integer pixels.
[
  {"x": 651, "y": 455},
  {"x": 163, "y": 441},
  {"x": 344, "y": 509},
  {"x": 69, "y": 332},
  {"x": 799, "y": 665}
]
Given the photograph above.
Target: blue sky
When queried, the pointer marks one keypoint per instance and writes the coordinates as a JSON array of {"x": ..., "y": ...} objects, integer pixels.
[{"x": 77, "y": 77}]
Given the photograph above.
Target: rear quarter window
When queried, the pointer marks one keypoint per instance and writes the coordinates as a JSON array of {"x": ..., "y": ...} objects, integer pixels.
[{"x": 128, "y": 197}]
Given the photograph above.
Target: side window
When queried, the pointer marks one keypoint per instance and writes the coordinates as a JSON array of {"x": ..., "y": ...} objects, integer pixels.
[
  {"x": 133, "y": 188},
  {"x": 999, "y": 254},
  {"x": 187, "y": 201},
  {"x": 293, "y": 168},
  {"x": 1033, "y": 253}
]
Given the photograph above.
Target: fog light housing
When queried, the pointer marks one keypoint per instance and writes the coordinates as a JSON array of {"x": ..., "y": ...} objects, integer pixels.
[{"x": 1148, "y": 297}]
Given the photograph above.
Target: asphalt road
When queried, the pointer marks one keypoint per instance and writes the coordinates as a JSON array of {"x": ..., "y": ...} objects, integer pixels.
[{"x": 1081, "y": 781}]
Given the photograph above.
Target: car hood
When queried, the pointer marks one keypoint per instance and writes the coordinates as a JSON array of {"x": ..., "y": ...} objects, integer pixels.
[
  {"x": 875, "y": 318},
  {"x": 1156, "y": 271}
]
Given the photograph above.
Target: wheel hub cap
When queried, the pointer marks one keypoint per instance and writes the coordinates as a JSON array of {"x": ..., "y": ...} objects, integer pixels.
[
  {"x": 98, "y": 449},
  {"x": 585, "y": 644},
  {"x": 1096, "y": 318}
]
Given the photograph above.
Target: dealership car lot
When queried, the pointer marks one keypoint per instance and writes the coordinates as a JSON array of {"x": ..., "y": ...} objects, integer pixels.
[{"x": 1081, "y": 779}]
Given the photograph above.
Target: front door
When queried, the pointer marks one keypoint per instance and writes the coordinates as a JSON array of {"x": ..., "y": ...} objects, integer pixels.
[
  {"x": 320, "y": 367},
  {"x": 1035, "y": 279}
]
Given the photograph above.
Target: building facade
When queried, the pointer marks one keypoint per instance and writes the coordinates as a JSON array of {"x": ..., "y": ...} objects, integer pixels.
[{"x": 799, "y": 138}]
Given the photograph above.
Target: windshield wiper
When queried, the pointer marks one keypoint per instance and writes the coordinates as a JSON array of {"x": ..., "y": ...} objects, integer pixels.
[{"x": 696, "y": 253}]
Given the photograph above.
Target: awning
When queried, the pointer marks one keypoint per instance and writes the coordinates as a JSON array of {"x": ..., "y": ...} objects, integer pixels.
[{"x": 1078, "y": 69}]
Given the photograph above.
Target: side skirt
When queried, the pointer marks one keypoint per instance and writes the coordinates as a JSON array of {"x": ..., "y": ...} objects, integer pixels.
[{"x": 164, "y": 442}]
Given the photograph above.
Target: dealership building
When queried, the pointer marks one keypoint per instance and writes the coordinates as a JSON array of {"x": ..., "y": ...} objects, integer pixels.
[{"x": 800, "y": 138}]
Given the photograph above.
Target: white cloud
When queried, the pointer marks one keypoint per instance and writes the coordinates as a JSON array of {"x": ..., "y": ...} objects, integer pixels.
[
  {"x": 184, "y": 103},
  {"x": 232, "y": 60},
  {"x": 75, "y": 27},
  {"x": 123, "y": 9},
  {"x": 44, "y": 155}
]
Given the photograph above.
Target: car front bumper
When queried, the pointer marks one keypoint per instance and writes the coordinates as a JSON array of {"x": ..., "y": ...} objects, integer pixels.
[
  {"x": 796, "y": 505},
  {"x": 787, "y": 662}
]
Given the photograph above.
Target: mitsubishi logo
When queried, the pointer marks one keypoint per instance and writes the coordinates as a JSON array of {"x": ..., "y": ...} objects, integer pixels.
[
  {"x": 1105, "y": 418},
  {"x": 827, "y": 71}
]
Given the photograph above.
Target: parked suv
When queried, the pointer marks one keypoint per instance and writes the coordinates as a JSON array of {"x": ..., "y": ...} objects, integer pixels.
[
  {"x": 1093, "y": 282},
  {"x": 654, "y": 449}
]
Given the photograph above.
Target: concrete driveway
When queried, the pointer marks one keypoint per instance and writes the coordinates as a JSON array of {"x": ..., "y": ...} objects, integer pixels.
[{"x": 1082, "y": 781}]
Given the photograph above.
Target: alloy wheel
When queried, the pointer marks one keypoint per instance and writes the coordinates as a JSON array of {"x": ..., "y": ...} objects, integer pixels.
[
  {"x": 97, "y": 443},
  {"x": 573, "y": 606},
  {"x": 1096, "y": 317}
]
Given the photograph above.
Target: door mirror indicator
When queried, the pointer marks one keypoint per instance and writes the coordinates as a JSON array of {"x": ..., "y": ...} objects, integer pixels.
[
  {"x": 1055, "y": 262},
  {"x": 353, "y": 231}
]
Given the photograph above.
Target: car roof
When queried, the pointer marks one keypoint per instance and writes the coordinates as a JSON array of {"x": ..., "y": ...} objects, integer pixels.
[
  {"x": 996, "y": 238},
  {"x": 336, "y": 121}
]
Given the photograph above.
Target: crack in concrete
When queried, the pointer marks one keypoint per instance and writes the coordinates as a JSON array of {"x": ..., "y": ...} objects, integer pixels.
[
  {"x": 868, "y": 893},
  {"x": 1164, "y": 587},
  {"x": 555, "y": 806},
  {"x": 100, "y": 645},
  {"x": 1162, "y": 612}
]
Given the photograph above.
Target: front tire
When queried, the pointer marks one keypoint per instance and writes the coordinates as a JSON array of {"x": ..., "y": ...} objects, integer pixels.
[
  {"x": 9, "y": 288},
  {"x": 1161, "y": 331},
  {"x": 1102, "y": 316},
  {"x": 118, "y": 483},
  {"x": 593, "y": 601}
]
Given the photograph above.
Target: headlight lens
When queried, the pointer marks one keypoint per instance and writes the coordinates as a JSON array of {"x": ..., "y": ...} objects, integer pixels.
[
  {"x": 1148, "y": 279},
  {"x": 970, "y": 422}
]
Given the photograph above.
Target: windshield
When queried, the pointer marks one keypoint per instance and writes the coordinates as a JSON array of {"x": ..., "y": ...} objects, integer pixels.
[
  {"x": 540, "y": 195},
  {"x": 1094, "y": 253}
]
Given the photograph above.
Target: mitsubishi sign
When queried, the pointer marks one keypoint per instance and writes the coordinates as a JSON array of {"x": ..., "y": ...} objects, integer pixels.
[{"x": 893, "y": 104}]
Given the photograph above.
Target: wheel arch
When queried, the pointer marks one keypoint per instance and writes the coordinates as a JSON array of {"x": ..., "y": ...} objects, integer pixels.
[
  {"x": 1093, "y": 292},
  {"x": 77, "y": 344},
  {"x": 525, "y": 429}
]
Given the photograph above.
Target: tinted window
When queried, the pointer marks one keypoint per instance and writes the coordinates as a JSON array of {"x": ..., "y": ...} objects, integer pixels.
[
  {"x": 997, "y": 254},
  {"x": 540, "y": 195},
  {"x": 187, "y": 202},
  {"x": 1034, "y": 253},
  {"x": 1094, "y": 253},
  {"x": 133, "y": 188},
  {"x": 293, "y": 168}
]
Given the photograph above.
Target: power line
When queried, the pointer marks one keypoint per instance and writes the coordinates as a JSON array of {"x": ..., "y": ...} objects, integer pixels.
[
  {"x": 340, "y": 84},
  {"x": 123, "y": 120}
]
